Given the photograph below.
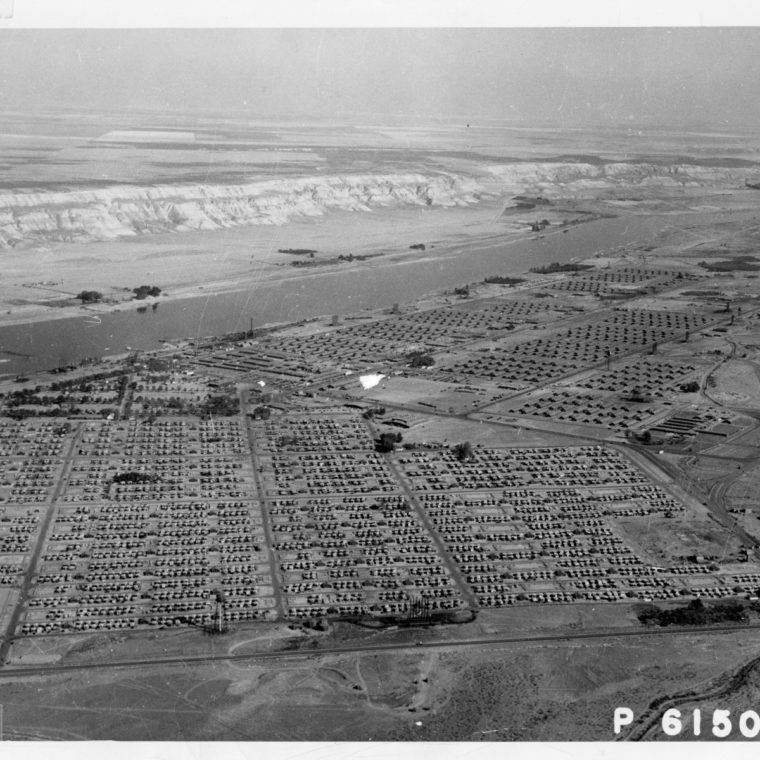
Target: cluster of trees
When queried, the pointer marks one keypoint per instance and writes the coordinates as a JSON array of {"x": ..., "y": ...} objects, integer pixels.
[
  {"x": 312, "y": 262},
  {"x": 28, "y": 396},
  {"x": 375, "y": 411},
  {"x": 90, "y": 296},
  {"x": 56, "y": 411},
  {"x": 261, "y": 413},
  {"x": 420, "y": 359},
  {"x": 696, "y": 613},
  {"x": 317, "y": 624},
  {"x": 63, "y": 384},
  {"x": 531, "y": 201},
  {"x": 417, "y": 247},
  {"x": 636, "y": 395},
  {"x": 230, "y": 338},
  {"x": 155, "y": 407},
  {"x": 143, "y": 291},
  {"x": 463, "y": 451},
  {"x": 690, "y": 387},
  {"x": 22, "y": 397},
  {"x": 301, "y": 263},
  {"x": 18, "y": 403},
  {"x": 736, "y": 263},
  {"x": 497, "y": 279},
  {"x": 154, "y": 364},
  {"x": 387, "y": 442},
  {"x": 221, "y": 405},
  {"x": 555, "y": 266},
  {"x": 134, "y": 477}
]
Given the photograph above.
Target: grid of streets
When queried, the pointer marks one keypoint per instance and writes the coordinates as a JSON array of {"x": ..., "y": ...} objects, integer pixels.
[{"x": 158, "y": 494}]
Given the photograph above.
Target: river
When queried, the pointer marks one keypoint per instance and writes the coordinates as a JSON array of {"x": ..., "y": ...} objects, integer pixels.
[{"x": 28, "y": 348}]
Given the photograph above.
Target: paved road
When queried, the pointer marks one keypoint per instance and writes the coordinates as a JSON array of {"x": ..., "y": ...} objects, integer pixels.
[
  {"x": 274, "y": 569},
  {"x": 422, "y": 516},
  {"x": 27, "y": 582}
]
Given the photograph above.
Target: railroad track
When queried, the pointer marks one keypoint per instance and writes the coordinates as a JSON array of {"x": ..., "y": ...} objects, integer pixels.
[{"x": 20, "y": 671}]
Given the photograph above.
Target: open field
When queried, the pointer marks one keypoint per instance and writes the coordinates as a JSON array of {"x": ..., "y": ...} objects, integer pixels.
[{"x": 500, "y": 692}]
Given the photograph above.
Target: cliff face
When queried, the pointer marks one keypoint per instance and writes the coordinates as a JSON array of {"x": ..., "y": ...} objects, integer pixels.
[
  {"x": 613, "y": 174},
  {"x": 107, "y": 213},
  {"x": 28, "y": 217}
]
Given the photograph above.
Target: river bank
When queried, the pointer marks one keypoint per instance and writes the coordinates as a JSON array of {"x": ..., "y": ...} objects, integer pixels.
[
  {"x": 395, "y": 277},
  {"x": 42, "y": 284}
]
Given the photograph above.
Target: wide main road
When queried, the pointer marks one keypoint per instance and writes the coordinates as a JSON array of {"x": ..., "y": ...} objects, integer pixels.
[
  {"x": 28, "y": 578},
  {"x": 479, "y": 643}
]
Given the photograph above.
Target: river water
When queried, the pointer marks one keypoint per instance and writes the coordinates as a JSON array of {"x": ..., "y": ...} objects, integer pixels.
[{"x": 46, "y": 345}]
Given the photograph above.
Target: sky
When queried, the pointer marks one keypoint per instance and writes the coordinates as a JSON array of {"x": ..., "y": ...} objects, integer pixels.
[{"x": 677, "y": 77}]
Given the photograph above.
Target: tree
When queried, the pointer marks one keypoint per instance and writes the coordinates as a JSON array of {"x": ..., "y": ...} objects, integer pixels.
[
  {"x": 146, "y": 290},
  {"x": 463, "y": 451},
  {"x": 261, "y": 413},
  {"x": 420, "y": 359},
  {"x": 90, "y": 296},
  {"x": 134, "y": 477},
  {"x": 386, "y": 443}
]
